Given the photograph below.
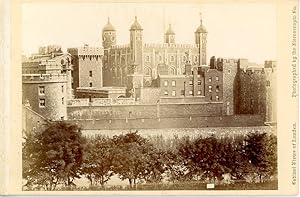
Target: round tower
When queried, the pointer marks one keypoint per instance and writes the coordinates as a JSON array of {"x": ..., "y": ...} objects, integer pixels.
[
  {"x": 46, "y": 94},
  {"x": 170, "y": 35},
  {"x": 108, "y": 35},
  {"x": 201, "y": 41}
]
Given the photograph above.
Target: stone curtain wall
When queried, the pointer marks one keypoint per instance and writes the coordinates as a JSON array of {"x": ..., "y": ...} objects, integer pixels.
[
  {"x": 160, "y": 123},
  {"x": 144, "y": 111},
  {"x": 32, "y": 121}
]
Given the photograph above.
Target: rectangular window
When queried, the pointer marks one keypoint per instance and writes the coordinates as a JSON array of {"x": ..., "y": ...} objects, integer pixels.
[
  {"x": 165, "y": 83},
  {"x": 199, "y": 83},
  {"x": 217, "y": 88},
  {"x": 172, "y": 58},
  {"x": 173, "y": 93},
  {"x": 147, "y": 58},
  {"x": 182, "y": 92},
  {"x": 209, "y": 88},
  {"x": 210, "y": 79},
  {"x": 173, "y": 83},
  {"x": 166, "y": 92},
  {"x": 62, "y": 100},
  {"x": 41, "y": 89},
  {"x": 191, "y": 83},
  {"x": 160, "y": 58},
  {"x": 199, "y": 92},
  {"x": 91, "y": 73},
  {"x": 191, "y": 92},
  {"x": 91, "y": 84},
  {"x": 42, "y": 103},
  {"x": 217, "y": 78},
  {"x": 62, "y": 89}
]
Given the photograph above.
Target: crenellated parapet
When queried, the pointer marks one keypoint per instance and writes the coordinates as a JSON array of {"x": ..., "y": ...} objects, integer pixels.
[
  {"x": 86, "y": 51},
  {"x": 165, "y": 45},
  {"x": 41, "y": 78},
  {"x": 124, "y": 46}
]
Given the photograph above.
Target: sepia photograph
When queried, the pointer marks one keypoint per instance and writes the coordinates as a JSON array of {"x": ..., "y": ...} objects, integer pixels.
[{"x": 134, "y": 96}]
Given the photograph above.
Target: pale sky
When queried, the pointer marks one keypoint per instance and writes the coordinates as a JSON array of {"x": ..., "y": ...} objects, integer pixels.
[{"x": 235, "y": 30}]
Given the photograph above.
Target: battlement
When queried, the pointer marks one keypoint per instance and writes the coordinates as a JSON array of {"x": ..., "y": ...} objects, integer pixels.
[
  {"x": 86, "y": 50},
  {"x": 44, "y": 78},
  {"x": 83, "y": 102},
  {"x": 270, "y": 64},
  {"x": 165, "y": 45},
  {"x": 123, "y": 46},
  {"x": 230, "y": 60}
]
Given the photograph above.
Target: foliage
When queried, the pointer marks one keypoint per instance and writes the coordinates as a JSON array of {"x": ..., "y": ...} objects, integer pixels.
[
  {"x": 260, "y": 150},
  {"x": 98, "y": 160},
  {"x": 131, "y": 156},
  {"x": 59, "y": 154},
  {"x": 53, "y": 156}
]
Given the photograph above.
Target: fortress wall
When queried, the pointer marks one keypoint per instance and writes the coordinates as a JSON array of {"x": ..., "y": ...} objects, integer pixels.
[
  {"x": 144, "y": 111},
  {"x": 160, "y": 123}
]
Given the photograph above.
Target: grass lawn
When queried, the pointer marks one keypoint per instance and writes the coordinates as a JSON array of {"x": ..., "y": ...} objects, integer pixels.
[{"x": 269, "y": 185}]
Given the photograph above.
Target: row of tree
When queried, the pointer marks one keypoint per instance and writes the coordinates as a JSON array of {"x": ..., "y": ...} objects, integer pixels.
[{"x": 60, "y": 154}]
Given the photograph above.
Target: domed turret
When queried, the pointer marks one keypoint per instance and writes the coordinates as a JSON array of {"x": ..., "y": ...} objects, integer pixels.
[
  {"x": 108, "y": 35},
  {"x": 170, "y": 35},
  {"x": 108, "y": 26},
  {"x": 201, "y": 29},
  {"x": 136, "y": 25},
  {"x": 170, "y": 30}
]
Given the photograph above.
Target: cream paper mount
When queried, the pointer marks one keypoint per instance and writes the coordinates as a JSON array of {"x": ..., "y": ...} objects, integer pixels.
[{"x": 170, "y": 97}]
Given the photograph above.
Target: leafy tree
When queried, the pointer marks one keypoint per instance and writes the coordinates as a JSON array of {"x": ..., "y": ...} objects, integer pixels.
[
  {"x": 205, "y": 157},
  {"x": 155, "y": 165},
  {"x": 98, "y": 160},
  {"x": 53, "y": 156},
  {"x": 131, "y": 155},
  {"x": 175, "y": 168},
  {"x": 260, "y": 150}
]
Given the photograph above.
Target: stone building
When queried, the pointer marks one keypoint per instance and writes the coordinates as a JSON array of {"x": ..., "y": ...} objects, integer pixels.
[
  {"x": 46, "y": 82},
  {"x": 141, "y": 60},
  {"x": 202, "y": 83},
  {"x": 87, "y": 69},
  {"x": 256, "y": 90}
]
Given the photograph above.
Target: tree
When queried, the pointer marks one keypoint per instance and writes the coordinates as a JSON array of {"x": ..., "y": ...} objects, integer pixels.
[
  {"x": 53, "y": 156},
  {"x": 260, "y": 150},
  {"x": 205, "y": 157},
  {"x": 98, "y": 160},
  {"x": 131, "y": 155}
]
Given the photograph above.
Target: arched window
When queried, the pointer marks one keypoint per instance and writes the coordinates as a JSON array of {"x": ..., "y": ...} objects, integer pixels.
[
  {"x": 172, "y": 71},
  {"x": 147, "y": 71},
  {"x": 268, "y": 83}
]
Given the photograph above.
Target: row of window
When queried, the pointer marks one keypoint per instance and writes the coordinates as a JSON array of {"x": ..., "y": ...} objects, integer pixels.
[
  {"x": 42, "y": 102},
  {"x": 210, "y": 79},
  {"x": 172, "y": 58},
  {"x": 173, "y": 92},
  {"x": 210, "y": 88},
  {"x": 42, "y": 90},
  {"x": 173, "y": 83}
]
